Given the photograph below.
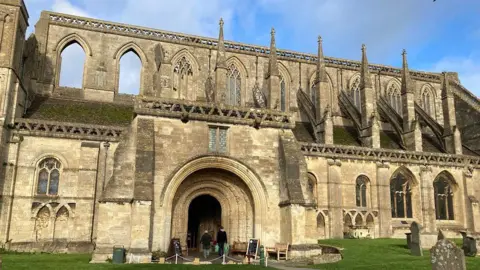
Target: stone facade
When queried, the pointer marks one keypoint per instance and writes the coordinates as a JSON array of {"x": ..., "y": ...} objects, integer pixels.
[{"x": 293, "y": 147}]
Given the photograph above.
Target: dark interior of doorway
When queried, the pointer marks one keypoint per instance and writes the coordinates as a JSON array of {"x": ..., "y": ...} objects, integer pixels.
[{"x": 204, "y": 213}]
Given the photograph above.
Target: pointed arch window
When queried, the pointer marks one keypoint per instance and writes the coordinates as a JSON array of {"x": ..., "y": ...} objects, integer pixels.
[
  {"x": 443, "y": 192},
  {"x": 395, "y": 98},
  {"x": 234, "y": 86},
  {"x": 312, "y": 186},
  {"x": 401, "y": 196},
  {"x": 355, "y": 93},
  {"x": 283, "y": 100},
  {"x": 361, "y": 191},
  {"x": 427, "y": 102},
  {"x": 130, "y": 70},
  {"x": 71, "y": 65},
  {"x": 182, "y": 75},
  {"x": 48, "y": 177}
]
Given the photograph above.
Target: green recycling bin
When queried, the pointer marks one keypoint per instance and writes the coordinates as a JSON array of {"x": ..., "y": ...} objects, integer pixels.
[
  {"x": 118, "y": 255},
  {"x": 262, "y": 256}
]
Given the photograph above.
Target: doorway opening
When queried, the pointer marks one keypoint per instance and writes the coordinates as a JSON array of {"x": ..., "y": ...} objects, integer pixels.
[{"x": 204, "y": 213}]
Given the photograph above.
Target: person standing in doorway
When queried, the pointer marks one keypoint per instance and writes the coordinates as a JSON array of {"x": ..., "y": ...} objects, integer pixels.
[
  {"x": 221, "y": 240},
  {"x": 206, "y": 242}
]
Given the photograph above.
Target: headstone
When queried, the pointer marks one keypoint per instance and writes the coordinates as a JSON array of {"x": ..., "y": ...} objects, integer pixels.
[
  {"x": 415, "y": 245},
  {"x": 469, "y": 245},
  {"x": 161, "y": 260},
  {"x": 440, "y": 235},
  {"x": 409, "y": 239},
  {"x": 196, "y": 261},
  {"x": 445, "y": 255}
]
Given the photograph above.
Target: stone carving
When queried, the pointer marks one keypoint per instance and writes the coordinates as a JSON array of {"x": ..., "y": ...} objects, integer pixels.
[
  {"x": 445, "y": 255},
  {"x": 42, "y": 224},
  {"x": 41, "y": 127},
  {"x": 259, "y": 97},
  {"x": 392, "y": 156},
  {"x": 210, "y": 89},
  {"x": 200, "y": 110},
  {"x": 468, "y": 171},
  {"x": 415, "y": 244},
  {"x": 100, "y": 75}
]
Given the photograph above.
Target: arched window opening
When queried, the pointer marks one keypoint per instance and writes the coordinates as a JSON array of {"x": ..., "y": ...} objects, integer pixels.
[
  {"x": 312, "y": 186},
  {"x": 355, "y": 93},
  {"x": 182, "y": 75},
  {"x": 361, "y": 191},
  {"x": 283, "y": 100},
  {"x": 320, "y": 221},
  {"x": 395, "y": 98},
  {"x": 72, "y": 62},
  {"x": 443, "y": 192},
  {"x": 129, "y": 74},
  {"x": 358, "y": 220},
  {"x": 401, "y": 196},
  {"x": 48, "y": 176},
  {"x": 234, "y": 86}
]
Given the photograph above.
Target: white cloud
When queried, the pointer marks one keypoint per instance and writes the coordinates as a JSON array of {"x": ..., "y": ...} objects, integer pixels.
[
  {"x": 468, "y": 69},
  {"x": 64, "y": 6}
]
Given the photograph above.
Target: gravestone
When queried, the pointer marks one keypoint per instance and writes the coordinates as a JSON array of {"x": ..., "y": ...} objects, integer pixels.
[
  {"x": 440, "y": 235},
  {"x": 445, "y": 255},
  {"x": 415, "y": 245},
  {"x": 409, "y": 239},
  {"x": 469, "y": 245}
]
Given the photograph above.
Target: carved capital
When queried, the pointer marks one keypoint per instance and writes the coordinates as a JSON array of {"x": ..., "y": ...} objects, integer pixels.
[
  {"x": 16, "y": 138},
  {"x": 334, "y": 162},
  {"x": 106, "y": 145},
  {"x": 383, "y": 165},
  {"x": 424, "y": 169},
  {"x": 468, "y": 171}
]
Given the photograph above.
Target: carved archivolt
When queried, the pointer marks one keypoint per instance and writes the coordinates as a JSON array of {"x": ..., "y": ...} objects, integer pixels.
[{"x": 188, "y": 56}]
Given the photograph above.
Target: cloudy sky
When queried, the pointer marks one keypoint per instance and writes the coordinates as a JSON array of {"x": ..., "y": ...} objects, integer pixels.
[{"x": 438, "y": 36}]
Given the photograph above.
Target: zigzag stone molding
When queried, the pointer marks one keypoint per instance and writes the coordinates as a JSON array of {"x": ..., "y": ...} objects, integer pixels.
[
  {"x": 34, "y": 127},
  {"x": 186, "y": 110},
  {"x": 148, "y": 33},
  {"x": 393, "y": 156}
]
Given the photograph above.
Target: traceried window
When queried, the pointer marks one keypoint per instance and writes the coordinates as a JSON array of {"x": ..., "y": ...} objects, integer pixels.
[
  {"x": 355, "y": 93},
  {"x": 217, "y": 141},
  {"x": 234, "y": 85},
  {"x": 283, "y": 100},
  {"x": 401, "y": 196},
  {"x": 361, "y": 191},
  {"x": 428, "y": 102},
  {"x": 394, "y": 97},
  {"x": 443, "y": 193},
  {"x": 48, "y": 176},
  {"x": 182, "y": 75}
]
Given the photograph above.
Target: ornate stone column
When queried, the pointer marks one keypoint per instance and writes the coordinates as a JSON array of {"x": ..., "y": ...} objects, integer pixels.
[
  {"x": 428, "y": 200},
  {"x": 383, "y": 199},
  {"x": 335, "y": 201}
]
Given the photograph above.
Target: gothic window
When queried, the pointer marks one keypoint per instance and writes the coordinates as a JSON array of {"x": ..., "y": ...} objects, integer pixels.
[
  {"x": 48, "y": 176},
  {"x": 394, "y": 97},
  {"x": 312, "y": 186},
  {"x": 130, "y": 70},
  {"x": 283, "y": 101},
  {"x": 355, "y": 93},
  {"x": 401, "y": 196},
  {"x": 72, "y": 61},
  {"x": 361, "y": 191},
  {"x": 443, "y": 193},
  {"x": 234, "y": 85},
  {"x": 427, "y": 102},
  {"x": 182, "y": 73},
  {"x": 217, "y": 141}
]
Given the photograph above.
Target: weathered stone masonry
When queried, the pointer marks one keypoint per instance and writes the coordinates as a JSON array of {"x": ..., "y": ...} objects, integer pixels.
[{"x": 294, "y": 147}]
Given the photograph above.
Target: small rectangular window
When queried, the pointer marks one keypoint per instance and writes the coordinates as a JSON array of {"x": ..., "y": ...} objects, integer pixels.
[{"x": 217, "y": 141}]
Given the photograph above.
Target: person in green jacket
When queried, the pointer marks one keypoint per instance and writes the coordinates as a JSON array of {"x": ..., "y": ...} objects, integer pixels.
[{"x": 206, "y": 242}]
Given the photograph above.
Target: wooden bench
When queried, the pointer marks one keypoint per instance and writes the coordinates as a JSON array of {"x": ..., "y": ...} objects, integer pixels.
[
  {"x": 281, "y": 249},
  {"x": 239, "y": 247}
]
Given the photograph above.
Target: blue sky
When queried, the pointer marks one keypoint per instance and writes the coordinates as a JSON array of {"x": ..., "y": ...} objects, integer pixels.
[{"x": 439, "y": 36}]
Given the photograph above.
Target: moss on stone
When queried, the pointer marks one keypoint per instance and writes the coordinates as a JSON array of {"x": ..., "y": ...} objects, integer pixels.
[
  {"x": 345, "y": 136},
  {"x": 388, "y": 140},
  {"x": 82, "y": 112}
]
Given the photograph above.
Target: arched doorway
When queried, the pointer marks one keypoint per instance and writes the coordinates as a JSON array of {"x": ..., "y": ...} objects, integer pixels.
[{"x": 204, "y": 214}]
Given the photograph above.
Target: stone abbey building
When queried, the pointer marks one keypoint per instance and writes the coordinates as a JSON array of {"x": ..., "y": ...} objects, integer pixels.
[{"x": 272, "y": 144}]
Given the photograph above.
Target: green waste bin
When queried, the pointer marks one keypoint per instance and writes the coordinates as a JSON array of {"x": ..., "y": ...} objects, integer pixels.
[
  {"x": 262, "y": 256},
  {"x": 118, "y": 254}
]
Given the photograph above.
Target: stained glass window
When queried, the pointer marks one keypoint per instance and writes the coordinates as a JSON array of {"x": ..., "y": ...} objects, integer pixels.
[
  {"x": 48, "y": 177},
  {"x": 234, "y": 84},
  {"x": 222, "y": 140},
  {"x": 443, "y": 198}
]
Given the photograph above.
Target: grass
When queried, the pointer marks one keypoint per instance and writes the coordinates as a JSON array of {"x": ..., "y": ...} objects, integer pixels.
[
  {"x": 388, "y": 254},
  {"x": 43, "y": 261}
]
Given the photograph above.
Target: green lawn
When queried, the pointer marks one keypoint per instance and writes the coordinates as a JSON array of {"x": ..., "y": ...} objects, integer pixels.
[
  {"x": 13, "y": 261},
  {"x": 388, "y": 254}
]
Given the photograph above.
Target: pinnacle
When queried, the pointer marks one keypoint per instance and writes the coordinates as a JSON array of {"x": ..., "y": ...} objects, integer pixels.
[
  {"x": 221, "y": 22},
  {"x": 273, "y": 32},
  {"x": 320, "y": 39},
  {"x": 364, "y": 47}
]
